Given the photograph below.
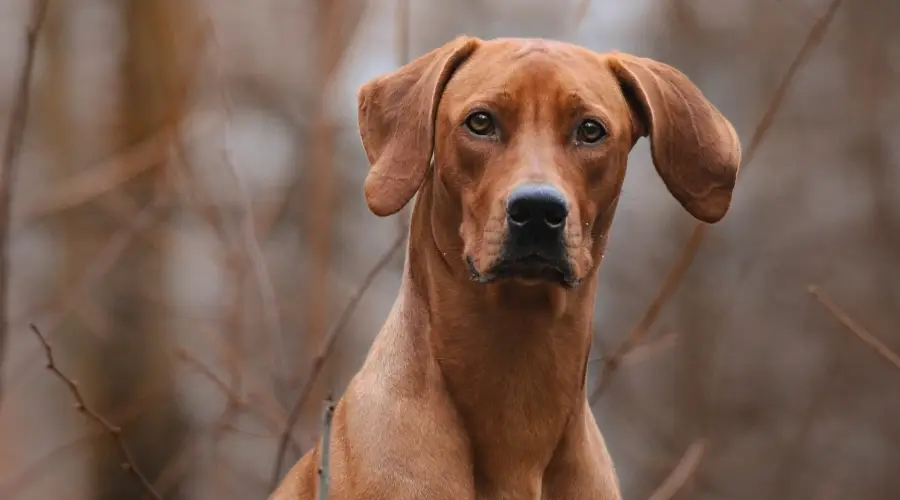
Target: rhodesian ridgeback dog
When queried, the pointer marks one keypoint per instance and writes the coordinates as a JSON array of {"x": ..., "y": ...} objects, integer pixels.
[{"x": 515, "y": 150}]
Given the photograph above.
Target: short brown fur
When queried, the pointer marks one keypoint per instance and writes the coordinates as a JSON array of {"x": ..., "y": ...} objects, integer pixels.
[{"x": 476, "y": 391}]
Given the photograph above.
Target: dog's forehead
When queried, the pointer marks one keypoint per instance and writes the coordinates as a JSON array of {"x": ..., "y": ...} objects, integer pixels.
[
  {"x": 532, "y": 54},
  {"x": 524, "y": 46},
  {"x": 513, "y": 68}
]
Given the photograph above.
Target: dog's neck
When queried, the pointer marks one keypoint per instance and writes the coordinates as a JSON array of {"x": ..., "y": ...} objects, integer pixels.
[{"x": 513, "y": 357}]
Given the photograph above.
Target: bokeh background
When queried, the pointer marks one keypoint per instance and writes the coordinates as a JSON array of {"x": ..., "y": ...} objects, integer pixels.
[{"x": 188, "y": 225}]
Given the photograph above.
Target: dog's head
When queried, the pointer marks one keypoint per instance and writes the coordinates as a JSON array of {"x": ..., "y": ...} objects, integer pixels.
[{"x": 529, "y": 140}]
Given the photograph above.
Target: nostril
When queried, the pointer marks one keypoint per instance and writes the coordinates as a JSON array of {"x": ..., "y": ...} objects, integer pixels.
[
  {"x": 555, "y": 218},
  {"x": 518, "y": 213},
  {"x": 540, "y": 204}
]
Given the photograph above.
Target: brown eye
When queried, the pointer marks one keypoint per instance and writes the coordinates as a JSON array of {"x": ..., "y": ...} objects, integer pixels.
[
  {"x": 480, "y": 123},
  {"x": 590, "y": 132}
]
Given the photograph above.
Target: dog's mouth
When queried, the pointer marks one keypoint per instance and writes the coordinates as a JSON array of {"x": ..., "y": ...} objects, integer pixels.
[{"x": 531, "y": 268}]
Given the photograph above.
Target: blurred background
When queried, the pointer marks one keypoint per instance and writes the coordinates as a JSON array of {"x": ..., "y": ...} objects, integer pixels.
[{"x": 188, "y": 223}]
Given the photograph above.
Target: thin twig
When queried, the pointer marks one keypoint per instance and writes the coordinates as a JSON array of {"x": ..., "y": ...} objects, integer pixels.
[
  {"x": 114, "y": 431},
  {"x": 682, "y": 472},
  {"x": 247, "y": 230},
  {"x": 191, "y": 360},
  {"x": 328, "y": 342},
  {"x": 43, "y": 466},
  {"x": 96, "y": 180},
  {"x": 106, "y": 176},
  {"x": 642, "y": 349},
  {"x": 254, "y": 254},
  {"x": 686, "y": 256},
  {"x": 107, "y": 257},
  {"x": 638, "y": 332},
  {"x": 580, "y": 13},
  {"x": 52, "y": 314},
  {"x": 12, "y": 149},
  {"x": 178, "y": 467},
  {"x": 860, "y": 331},
  {"x": 326, "y": 448},
  {"x": 322, "y": 176},
  {"x": 271, "y": 421}
]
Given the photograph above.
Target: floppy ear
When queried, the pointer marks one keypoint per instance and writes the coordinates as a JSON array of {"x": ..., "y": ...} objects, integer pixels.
[
  {"x": 695, "y": 149},
  {"x": 397, "y": 112}
]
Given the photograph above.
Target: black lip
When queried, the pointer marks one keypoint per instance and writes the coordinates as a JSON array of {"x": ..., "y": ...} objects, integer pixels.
[{"x": 532, "y": 266}]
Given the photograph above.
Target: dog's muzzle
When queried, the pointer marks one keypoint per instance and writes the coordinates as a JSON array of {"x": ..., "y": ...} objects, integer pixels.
[{"x": 535, "y": 245}]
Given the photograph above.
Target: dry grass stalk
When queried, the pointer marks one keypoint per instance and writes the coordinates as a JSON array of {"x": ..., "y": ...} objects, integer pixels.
[
  {"x": 128, "y": 462},
  {"x": 326, "y": 447}
]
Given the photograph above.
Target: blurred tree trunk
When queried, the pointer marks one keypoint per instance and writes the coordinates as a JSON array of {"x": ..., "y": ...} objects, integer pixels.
[
  {"x": 130, "y": 370},
  {"x": 55, "y": 118}
]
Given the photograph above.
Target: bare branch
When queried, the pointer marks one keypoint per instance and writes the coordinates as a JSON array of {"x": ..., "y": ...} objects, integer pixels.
[
  {"x": 860, "y": 331},
  {"x": 92, "y": 182},
  {"x": 682, "y": 472},
  {"x": 106, "y": 258},
  {"x": 114, "y": 431},
  {"x": 643, "y": 350},
  {"x": 325, "y": 349},
  {"x": 252, "y": 249},
  {"x": 683, "y": 262},
  {"x": 638, "y": 332},
  {"x": 12, "y": 149},
  {"x": 272, "y": 422},
  {"x": 44, "y": 465}
]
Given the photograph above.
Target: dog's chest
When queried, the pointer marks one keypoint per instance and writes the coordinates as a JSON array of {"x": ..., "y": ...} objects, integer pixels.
[{"x": 518, "y": 492}]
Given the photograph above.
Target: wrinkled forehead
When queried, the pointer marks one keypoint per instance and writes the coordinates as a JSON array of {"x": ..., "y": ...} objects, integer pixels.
[{"x": 516, "y": 73}]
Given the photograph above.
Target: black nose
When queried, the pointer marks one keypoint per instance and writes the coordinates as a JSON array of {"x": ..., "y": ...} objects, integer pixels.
[{"x": 537, "y": 206}]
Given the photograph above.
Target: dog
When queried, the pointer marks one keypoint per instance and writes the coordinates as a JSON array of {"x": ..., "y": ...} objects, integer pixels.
[{"x": 515, "y": 151}]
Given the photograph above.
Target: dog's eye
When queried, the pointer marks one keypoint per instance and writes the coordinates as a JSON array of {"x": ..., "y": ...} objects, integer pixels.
[
  {"x": 480, "y": 123},
  {"x": 590, "y": 132}
]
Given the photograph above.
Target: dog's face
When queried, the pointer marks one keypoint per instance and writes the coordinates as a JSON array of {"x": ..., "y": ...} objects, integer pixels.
[
  {"x": 530, "y": 140},
  {"x": 534, "y": 153}
]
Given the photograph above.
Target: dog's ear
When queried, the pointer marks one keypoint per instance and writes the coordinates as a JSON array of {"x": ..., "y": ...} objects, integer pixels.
[
  {"x": 695, "y": 149},
  {"x": 397, "y": 114}
]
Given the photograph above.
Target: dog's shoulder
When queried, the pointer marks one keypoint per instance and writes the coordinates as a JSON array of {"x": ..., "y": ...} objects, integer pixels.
[{"x": 396, "y": 424}]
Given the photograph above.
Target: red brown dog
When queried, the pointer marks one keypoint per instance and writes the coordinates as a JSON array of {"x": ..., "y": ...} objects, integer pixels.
[{"x": 475, "y": 385}]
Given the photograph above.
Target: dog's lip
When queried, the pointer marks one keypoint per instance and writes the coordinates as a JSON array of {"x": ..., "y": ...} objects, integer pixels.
[{"x": 531, "y": 267}]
